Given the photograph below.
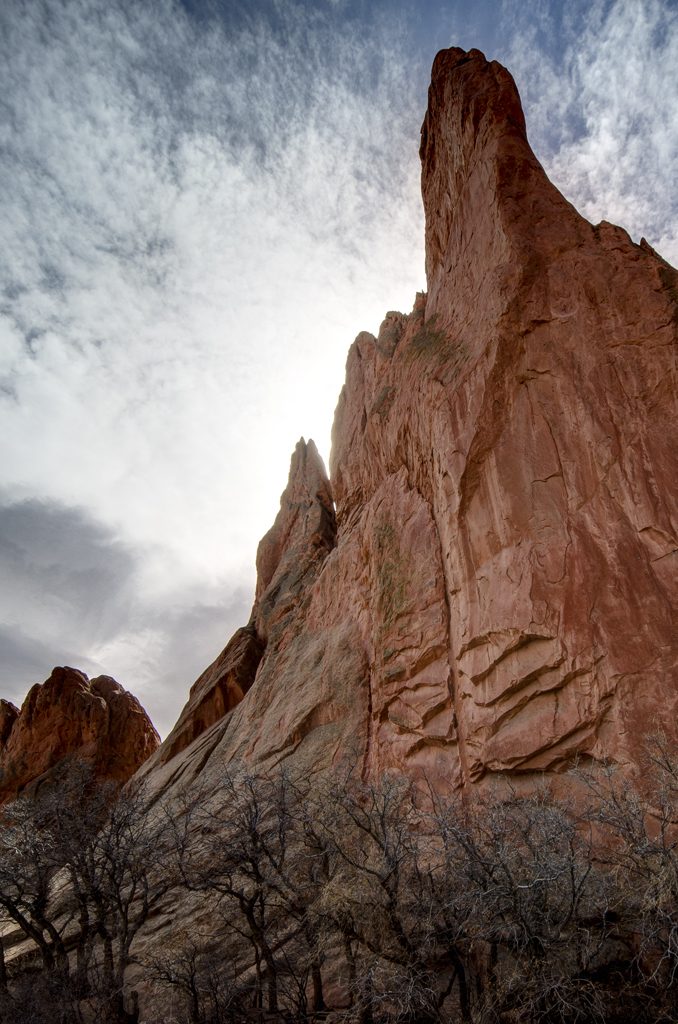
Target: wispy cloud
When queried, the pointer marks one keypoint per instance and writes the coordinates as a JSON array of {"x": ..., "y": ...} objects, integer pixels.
[
  {"x": 601, "y": 97},
  {"x": 202, "y": 216},
  {"x": 200, "y": 223}
]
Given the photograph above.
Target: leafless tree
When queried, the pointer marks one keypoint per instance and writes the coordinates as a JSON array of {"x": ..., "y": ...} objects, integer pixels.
[
  {"x": 246, "y": 851},
  {"x": 536, "y": 910},
  {"x": 205, "y": 977},
  {"x": 375, "y": 898},
  {"x": 81, "y": 868},
  {"x": 411, "y": 909},
  {"x": 637, "y": 829}
]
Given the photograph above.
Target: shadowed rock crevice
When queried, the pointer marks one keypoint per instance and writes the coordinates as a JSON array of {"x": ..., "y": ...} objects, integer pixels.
[{"x": 217, "y": 691}]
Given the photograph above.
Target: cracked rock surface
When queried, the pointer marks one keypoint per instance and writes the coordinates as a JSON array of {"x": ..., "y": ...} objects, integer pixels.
[
  {"x": 487, "y": 588},
  {"x": 498, "y": 593}
]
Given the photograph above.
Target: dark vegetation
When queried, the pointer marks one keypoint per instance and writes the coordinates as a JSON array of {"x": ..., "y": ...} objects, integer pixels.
[
  {"x": 429, "y": 338},
  {"x": 669, "y": 279},
  {"x": 341, "y": 901},
  {"x": 392, "y": 572}
]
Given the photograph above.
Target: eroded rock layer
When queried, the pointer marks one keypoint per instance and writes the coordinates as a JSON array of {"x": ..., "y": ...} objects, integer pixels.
[
  {"x": 69, "y": 715},
  {"x": 499, "y": 592}
]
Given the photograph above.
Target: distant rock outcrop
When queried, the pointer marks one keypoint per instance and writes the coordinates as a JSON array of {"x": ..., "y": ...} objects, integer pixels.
[
  {"x": 500, "y": 596},
  {"x": 69, "y": 715}
]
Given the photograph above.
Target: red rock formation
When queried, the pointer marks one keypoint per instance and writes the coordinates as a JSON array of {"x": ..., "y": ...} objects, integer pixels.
[
  {"x": 217, "y": 691},
  {"x": 8, "y": 716},
  {"x": 288, "y": 561},
  {"x": 70, "y": 716},
  {"x": 531, "y": 424},
  {"x": 502, "y": 593}
]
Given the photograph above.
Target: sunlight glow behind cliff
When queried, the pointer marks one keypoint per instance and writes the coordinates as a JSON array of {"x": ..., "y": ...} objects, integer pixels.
[{"x": 203, "y": 214}]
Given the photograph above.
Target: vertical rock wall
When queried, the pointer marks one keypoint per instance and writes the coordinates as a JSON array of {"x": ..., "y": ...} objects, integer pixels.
[{"x": 498, "y": 593}]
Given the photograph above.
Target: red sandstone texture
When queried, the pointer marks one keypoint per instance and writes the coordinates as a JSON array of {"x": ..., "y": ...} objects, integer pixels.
[
  {"x": 71, "y": 716},
  {"x": 273, "y": 648},
  {"x": 500, "y": 594}
]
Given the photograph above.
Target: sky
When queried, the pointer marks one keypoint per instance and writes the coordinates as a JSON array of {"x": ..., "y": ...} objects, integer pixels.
[{"x": 202, "y": 203}]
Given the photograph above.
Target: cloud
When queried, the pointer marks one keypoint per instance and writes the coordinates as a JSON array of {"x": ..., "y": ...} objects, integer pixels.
[
  {"x": 60, "y": 567},
  {"x": 602, "y": 108},
  {"x": 201, "y": 223},
  {"x": 74, "y": 594},
  {"x": 25, "y": 659},
  {"x": 203, "y": 214},
  {"x": 167, "y": 646}
]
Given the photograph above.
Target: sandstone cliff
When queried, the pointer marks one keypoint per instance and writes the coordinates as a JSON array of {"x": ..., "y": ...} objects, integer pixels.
[
  {"x": 498, "y": 593},
  {"x": 71, "y": 716}
]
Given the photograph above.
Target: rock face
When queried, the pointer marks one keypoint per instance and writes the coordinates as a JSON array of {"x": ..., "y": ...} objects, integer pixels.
[
  {"x": 499, "y": 592},
  {"x": 71, "y": 716},
  {"x": 279, "y": 649},
  {"x": 525, "y": 419}
]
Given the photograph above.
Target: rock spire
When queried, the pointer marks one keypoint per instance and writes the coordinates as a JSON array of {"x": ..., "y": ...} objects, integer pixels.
[{"x": 498, "y": 594}]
